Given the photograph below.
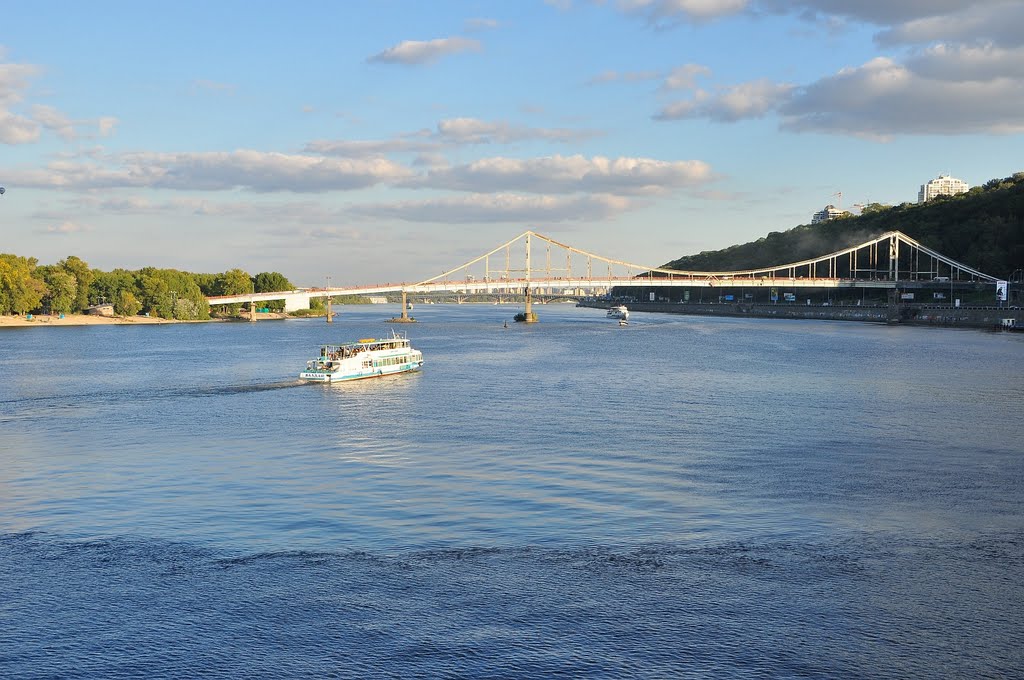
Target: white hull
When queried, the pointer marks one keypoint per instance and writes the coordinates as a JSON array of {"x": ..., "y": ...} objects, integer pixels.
[
  {"x": 367, "y": 358},
  {"x": 324, "y": 376},
  {"x": 618, "y": 313}
]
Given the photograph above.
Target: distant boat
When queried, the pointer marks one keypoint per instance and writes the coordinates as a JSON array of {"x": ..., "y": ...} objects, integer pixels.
[
  {"x": 619, "y": 312},
  {"x": 365, "y": 358}
]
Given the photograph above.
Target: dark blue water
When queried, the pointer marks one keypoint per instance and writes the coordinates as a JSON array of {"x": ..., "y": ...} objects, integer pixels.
[{"x": 682, "y": 497}]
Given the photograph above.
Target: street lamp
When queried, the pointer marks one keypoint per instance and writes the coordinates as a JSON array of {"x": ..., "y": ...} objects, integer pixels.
[{"x": 330, "y": 318}]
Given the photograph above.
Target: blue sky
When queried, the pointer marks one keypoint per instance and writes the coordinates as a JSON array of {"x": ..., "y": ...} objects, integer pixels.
[{"x": 391, "y": 140}]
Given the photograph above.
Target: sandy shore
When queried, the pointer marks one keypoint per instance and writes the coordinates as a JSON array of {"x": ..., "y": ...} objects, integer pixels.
[
  {"x": 77, "y": 320},
  {"x": 15, "y": 321}
]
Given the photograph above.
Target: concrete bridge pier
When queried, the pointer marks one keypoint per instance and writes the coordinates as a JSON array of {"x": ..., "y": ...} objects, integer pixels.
[
  {"x": 527, "y": 316},
  {"x": 404, "y": 317}
]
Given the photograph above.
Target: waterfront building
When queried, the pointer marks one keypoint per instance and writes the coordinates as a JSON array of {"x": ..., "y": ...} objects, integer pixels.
[
  {"x": 829, "y": 212},
  {"x": 943, "y": 185}
]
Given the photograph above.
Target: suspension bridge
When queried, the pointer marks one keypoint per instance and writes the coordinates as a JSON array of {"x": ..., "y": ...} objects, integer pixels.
[{"x": 535, "y": 265}]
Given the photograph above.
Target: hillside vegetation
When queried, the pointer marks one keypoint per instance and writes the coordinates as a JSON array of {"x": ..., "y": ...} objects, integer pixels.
[{"x": 983, "y": 228}]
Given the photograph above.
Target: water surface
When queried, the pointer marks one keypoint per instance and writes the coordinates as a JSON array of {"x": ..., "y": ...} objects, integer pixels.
[{"x": 682, "y": 496}]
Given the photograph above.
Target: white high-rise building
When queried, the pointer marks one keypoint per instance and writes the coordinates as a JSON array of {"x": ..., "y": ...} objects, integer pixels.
[
  {"x": 943, "y": 185},
  {"x": 829, "y": 212}
]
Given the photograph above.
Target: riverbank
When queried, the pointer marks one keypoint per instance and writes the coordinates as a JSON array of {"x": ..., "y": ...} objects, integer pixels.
[
  {"x": 911, "y": 315},
  {"x": 77, "y": 320},
  {"x": 21, "y": 321}
]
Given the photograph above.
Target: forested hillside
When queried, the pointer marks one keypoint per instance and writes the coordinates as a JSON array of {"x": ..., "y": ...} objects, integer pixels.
[{"x": 983, "y": 228}]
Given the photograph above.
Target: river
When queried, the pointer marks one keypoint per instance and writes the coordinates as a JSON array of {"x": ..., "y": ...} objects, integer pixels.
[{"x": 680, "y": 497}]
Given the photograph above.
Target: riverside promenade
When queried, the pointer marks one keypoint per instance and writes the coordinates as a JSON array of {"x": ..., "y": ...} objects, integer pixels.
[{"x": 909, "y": 314}]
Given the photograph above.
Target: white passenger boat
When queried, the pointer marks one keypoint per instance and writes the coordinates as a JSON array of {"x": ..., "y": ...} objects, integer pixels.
[
  {"x": 365, "y": 358},
  {"x": 619, "y": 312}
]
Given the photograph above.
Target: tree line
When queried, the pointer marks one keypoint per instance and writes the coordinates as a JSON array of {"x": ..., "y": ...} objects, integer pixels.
[
  {"x": 71, "y": 286},
  {"x": 983, "y": 228}
]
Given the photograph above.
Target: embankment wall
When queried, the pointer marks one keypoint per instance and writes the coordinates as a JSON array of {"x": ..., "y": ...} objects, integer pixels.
[{"x": 917, "y": 315}]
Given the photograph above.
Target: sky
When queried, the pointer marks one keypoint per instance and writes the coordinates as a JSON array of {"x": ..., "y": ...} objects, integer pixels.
[{"x": 388, "y": 141}]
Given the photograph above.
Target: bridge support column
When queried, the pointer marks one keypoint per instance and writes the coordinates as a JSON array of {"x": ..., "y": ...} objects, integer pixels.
[
  {"x": 404, "y": 317},
  {"x": 527, "y": 316},
  {"x": 252, "y": 311}
]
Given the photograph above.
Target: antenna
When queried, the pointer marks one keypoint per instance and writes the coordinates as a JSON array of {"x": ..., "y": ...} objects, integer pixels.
[{"x": 840, "y": 195}]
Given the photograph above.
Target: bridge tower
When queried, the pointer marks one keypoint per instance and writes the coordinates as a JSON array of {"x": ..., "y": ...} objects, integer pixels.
[{"x": 528, "y": 315}]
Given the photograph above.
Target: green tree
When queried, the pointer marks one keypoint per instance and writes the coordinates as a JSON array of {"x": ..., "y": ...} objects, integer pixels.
[
  {"x": 126, "y": 304},
  {"x": 83, "y": 277},
  {"x": 271, "y": 282},
  {"x": 874, "y": 208},
  {"x": 186, "y": 309},
  {"x": 208, "y": 283},
  {"x": 162, "y": 288},
  {"x": 106, "y": 286},
  {"x": 62, "y": 289},
  {"x": 234, "y": 282},
  {"x": 20, "y": 291}
]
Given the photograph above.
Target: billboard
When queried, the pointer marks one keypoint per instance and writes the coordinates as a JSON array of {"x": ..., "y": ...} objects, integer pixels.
[{"x": 1001, "y": 291}]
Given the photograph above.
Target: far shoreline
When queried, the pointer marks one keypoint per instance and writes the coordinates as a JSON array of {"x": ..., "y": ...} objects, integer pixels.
[{"x": 52, "y": 320}]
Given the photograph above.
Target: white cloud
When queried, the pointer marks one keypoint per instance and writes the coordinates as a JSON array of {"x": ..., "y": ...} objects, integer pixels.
[
  {"x": 475, "y": 131},
  {"x": 667, "y": 12},
  {"x": 498, "y": 207},
  {"x": 879, "y": 12},
  {"x": 998, "y": 22},
  {"x": 570, "y": 174},
  {"x": 623, "y": 76},
  {"x": 685, "y": 77},
  {"x": 369, "y": 148},
  {"x": 18, "y": 126},
  {"x": 106, "y": 125},
  {"x": 64, "y": 229},
  {"x": 730, "y": 104},
  {"x": 448, "y": 133},
  {"x": 481, "y": 24},
  {"x": 15, "y": 129},
  {"x": 971, "y": 81},
  {"x": 883, "y": 98},
  {"x": 14, "y": 79},
  {"x": 942, "y": 91},
  {"x": 275, "y": 172},
  {"x": 961, "y": 63},
  {"x": 425, "y": 51},
  {"x": 906, "y": 20},
  {"x": 213, "y": 171},
  {"x": 55, "y": 121}
]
